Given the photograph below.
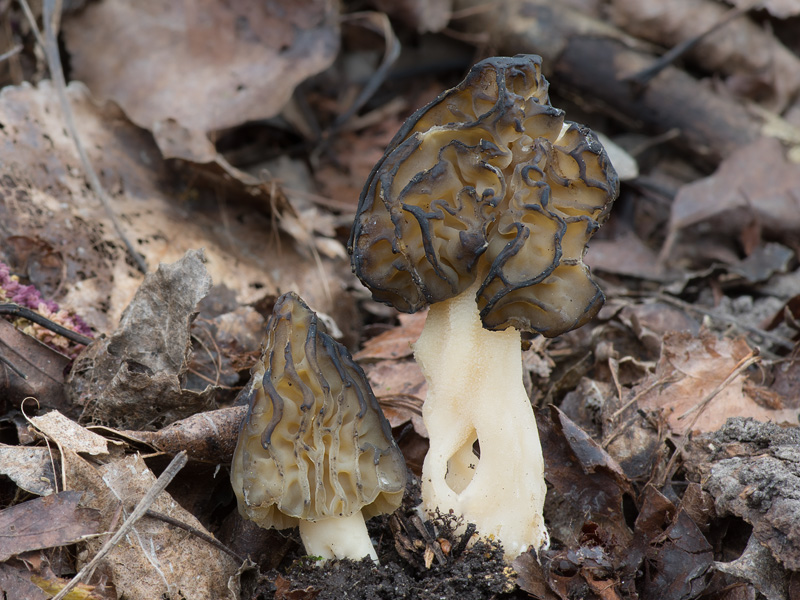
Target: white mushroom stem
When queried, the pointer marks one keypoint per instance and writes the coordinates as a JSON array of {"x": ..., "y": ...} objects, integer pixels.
[
  {"x": 340, "y": 537},
  {"x": 475, "y": 391}
]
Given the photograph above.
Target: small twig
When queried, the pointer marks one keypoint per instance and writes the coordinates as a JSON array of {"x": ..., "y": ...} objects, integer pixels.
[
  {"x": 51, "y": 15},
  {"x": 141, "y": 509},
  {"x": 16, "y": 310},
  {"x": 698, "y": 409},
  {"x": 14, "y": 51},
  {"x": 644, "y": 76},
  {"x": 13, "y": 368},
  {"x": 378, "y": 22},
  {"x": 195, "y": 532}
]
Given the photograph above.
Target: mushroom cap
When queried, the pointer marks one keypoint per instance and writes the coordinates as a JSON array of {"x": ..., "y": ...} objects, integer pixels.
[
  {"x": 314, "y": 443},
  {"x": 490, "y": 181}
]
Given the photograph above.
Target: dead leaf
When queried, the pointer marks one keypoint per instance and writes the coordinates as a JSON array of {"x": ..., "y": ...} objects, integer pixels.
[
  {"x": 15, "y": 582},
  {"x": 394, "y": 343},
  {"x": 68, "y": 434},
  {"x": 285, "y": 591},
  {"x": 679, "y": 562},
  {"x": 588, "y": 482},
  {"x": 209, "y": 436},
  {"x": 45, "y": 196},
  {"x": 134, "y": 377},
  {"x": 155, "y": 556},
  {"x": 759, "y": 66},
  {"x": 31, "y": 468},
  {"x": 396, "y": 378},
  {"x": 54, "y": 520},
  {"x": 242, "y": 59},
  {"x": 35, "y": 370},
  {"x": 531, "y": 578},
  {"x": 698, "y": 364},
  {"x": 755, "y": 182}
]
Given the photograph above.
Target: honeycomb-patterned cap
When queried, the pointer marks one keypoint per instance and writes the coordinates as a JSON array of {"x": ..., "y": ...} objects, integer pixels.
[
  {"x": 314, "y": 443},
  {"x": 488, "y": 181}
]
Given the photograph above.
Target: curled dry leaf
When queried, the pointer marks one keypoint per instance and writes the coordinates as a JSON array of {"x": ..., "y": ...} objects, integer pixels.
[
  {"x": 243, "y": 59},
  {"x": 134, "y": 377},
  {"x": 698, "y": 364},
  {"x": 208, "y": 436}
]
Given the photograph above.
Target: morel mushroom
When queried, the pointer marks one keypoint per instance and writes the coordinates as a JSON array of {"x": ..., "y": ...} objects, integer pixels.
[
  {"x": 482, "y": 207},
  {"x": 314, "y": 449}
]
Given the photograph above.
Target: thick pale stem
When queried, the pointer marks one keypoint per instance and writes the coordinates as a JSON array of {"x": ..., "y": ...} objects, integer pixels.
[
  {"x": 340, "y": 537},
  {"x": 475, "y": 391}
]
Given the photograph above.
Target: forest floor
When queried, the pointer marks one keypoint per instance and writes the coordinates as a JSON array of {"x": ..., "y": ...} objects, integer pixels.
[{"x": 196, "y": 161}]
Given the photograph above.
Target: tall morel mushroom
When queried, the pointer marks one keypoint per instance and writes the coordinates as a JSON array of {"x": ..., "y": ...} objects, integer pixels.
[
  {"x": 314, "y": 450},
  {"x": 482, "y": 207}
]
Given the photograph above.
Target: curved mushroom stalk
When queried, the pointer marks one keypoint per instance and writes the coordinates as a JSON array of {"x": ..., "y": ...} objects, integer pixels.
[
  {"x": 475, "y": 391},
  {"x": 341, "y": 537}
]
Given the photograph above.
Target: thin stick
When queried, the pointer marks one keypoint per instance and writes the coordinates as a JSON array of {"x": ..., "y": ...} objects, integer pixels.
[
  {"x": 16, "y": 310},
  {"x": 765, "y": 335},
  {"x": 51, "y": 14},
  {"x": 195, "y": 532},
  {"x": 698, "y": 409},
  {"x": 144, "y": 505},
  {"x": 646, "y": 74},
  {"x": 6, "y": 55}
]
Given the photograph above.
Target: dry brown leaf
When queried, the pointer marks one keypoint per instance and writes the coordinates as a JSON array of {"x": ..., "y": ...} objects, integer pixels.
[
  {"x": 757, "y": 182},
  {"x": 781, "y": 9},
  {"x": 396, "y": 377},
  {"x": 756, "y": 63},
  {"x": 15, "y": 582},
  {"x": 68, "y": 434},
  {"x": 208, "y": 65},
  {"x": 698, "y": 364},
  {"x": 54, "y": 520},
  {"x": 394, "y": 343},
  {"x": 207, "y": 437},
  {"x": 45, "y": 197},
  {"x": 31, "y": 468},
  {"x": 35, "y": 371},
  {"x": 155, "y": 557},
  {"x": 626, "y": 255},
  {"x": 134, "y": 377}
]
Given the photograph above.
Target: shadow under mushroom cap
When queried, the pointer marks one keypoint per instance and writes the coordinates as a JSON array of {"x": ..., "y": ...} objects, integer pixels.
[
  {"x": 314, "y": 444},
  {"x": 488, "y": 180}
]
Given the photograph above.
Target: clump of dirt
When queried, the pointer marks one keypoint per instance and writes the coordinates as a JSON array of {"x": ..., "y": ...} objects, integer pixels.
[{"x": 425, "y": 560}]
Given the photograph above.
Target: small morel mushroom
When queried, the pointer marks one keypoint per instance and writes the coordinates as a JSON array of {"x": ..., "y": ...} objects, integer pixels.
[
  {"x": 314, "y": 450},
  {"x": 482, "y": 207}
]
